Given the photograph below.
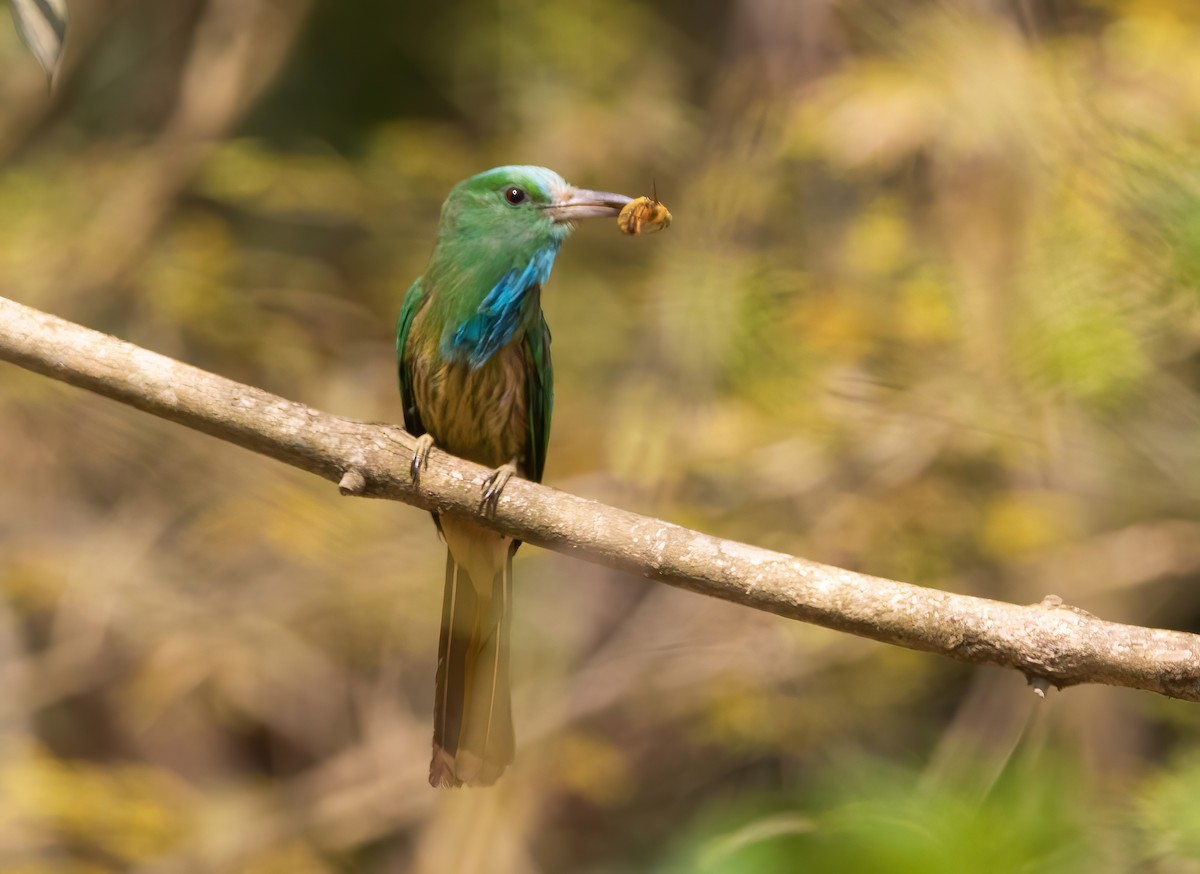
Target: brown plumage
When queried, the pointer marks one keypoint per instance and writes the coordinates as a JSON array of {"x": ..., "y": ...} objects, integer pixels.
[{"x": 481, "y": 415}]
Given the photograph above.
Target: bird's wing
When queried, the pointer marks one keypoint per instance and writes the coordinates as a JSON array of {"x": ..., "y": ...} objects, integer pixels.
[
  {"x": 540, "y": 388},
  {"x": 408, "y": 310}
]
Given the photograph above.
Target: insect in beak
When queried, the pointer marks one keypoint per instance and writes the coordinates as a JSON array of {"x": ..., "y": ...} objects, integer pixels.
[{"x": 644, "y": 213}]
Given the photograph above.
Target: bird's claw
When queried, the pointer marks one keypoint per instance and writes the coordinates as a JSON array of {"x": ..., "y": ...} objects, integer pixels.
[
  {"x": 420, "y": 457},
  {"x": 494, "y": 485}
]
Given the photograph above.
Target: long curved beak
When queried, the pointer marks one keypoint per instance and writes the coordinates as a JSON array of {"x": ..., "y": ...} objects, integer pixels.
[{"x": 580, "y": 203}]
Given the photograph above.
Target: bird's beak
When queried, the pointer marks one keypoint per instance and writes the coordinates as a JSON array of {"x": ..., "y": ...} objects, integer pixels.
[{"x": 580, "y": 203}]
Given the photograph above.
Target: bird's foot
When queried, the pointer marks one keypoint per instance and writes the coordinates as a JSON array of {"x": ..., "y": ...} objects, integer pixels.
[
  {"x": 421, "y": 455},
  {"x": 495, "y": 483}
]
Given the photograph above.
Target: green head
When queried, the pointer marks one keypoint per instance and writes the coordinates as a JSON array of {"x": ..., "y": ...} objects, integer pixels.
[
  {"x": 499, "y": 235},
  {"x": 521, "y": 207}
]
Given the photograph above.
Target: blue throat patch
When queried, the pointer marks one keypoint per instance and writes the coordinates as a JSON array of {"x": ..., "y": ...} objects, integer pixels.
[{"x": 499, "y": 315}]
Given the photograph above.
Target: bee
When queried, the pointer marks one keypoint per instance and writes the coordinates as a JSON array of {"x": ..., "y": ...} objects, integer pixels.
[{"x": 644, "y": 212}]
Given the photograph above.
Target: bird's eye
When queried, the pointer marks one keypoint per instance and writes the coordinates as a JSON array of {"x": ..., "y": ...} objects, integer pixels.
[{"x": 514, "y": 195}]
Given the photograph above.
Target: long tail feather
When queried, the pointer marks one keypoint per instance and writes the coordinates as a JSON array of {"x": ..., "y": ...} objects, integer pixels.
[{"x": 473, "y": 731}]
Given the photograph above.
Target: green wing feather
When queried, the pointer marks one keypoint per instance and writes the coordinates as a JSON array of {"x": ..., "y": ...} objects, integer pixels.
[
  {"x": 540, "y": 388},
  {"x": 408, "y": 398}
]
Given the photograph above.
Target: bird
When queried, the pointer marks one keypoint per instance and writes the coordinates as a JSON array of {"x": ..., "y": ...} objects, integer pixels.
[{"x": 473, "y": 349}]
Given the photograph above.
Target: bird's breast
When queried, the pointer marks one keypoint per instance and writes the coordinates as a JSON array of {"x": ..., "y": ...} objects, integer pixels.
[{"x": 481, "y": 413}]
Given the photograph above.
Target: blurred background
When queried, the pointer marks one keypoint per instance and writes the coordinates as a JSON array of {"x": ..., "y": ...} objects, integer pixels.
[{"x": 930, "y": 309}]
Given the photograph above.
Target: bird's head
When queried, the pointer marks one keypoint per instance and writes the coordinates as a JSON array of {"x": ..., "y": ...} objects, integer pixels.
[
  {"x": 521, "y": 204},
  {"x": 499, "y": 235}
]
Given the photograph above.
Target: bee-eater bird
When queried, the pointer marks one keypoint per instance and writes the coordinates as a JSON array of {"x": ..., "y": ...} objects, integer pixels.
[{"x": 475, "y": 378}]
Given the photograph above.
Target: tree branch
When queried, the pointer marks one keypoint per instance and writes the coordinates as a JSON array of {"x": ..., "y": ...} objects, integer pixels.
[{"x": 1049, "y": 642}]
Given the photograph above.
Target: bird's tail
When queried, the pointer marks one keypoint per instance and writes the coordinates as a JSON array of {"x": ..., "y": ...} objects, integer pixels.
[{"x": 472, "y": 725}]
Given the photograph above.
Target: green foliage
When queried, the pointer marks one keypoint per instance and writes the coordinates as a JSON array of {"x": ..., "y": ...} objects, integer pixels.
[
  {"x": 871, "y": 816},
  {"x": 1169, "y": 815}
]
